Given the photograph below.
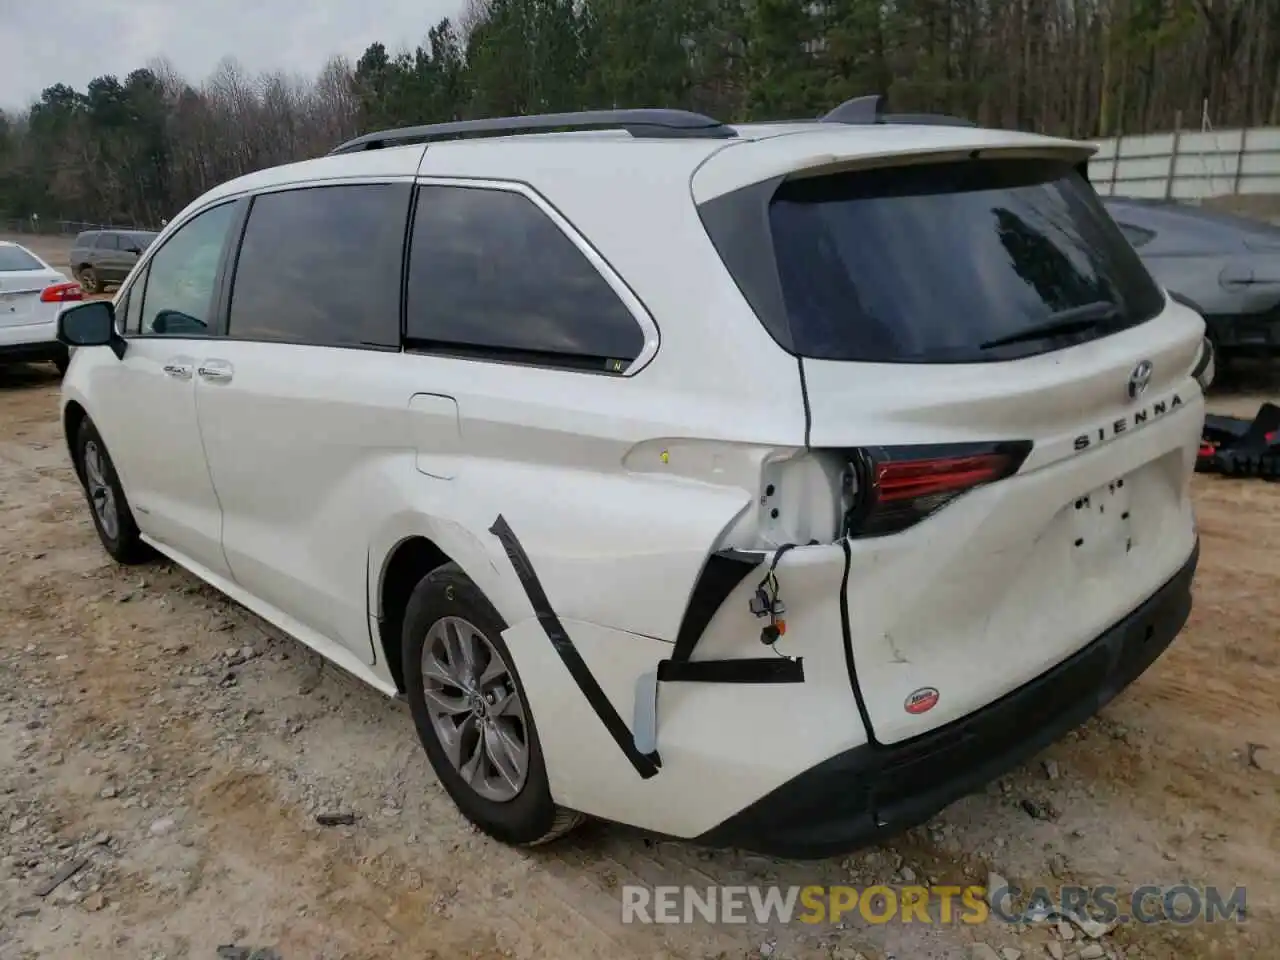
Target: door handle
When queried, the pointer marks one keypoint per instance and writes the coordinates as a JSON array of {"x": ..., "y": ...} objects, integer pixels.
[
  {"x": 178, "y": 369},
  {"x": 216, "y": 371}
]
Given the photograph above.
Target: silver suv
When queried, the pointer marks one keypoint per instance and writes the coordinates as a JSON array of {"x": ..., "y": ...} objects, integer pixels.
[{"x": 101, "y": 257}]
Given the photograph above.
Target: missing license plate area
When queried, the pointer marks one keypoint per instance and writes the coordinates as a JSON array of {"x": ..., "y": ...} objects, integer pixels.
[{"x": 1102, "y": 520}]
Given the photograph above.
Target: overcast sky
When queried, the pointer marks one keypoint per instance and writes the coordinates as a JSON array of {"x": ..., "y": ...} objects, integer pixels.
[{"x": 73, "y": 41}]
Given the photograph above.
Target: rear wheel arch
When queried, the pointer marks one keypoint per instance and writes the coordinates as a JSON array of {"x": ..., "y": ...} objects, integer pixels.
[
  {"x": 73, "y": 415},
  {"x": 402, "y": 570}
]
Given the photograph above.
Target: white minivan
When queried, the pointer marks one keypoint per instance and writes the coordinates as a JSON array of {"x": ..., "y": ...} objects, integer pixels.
[{"x": 766, "y": 485}]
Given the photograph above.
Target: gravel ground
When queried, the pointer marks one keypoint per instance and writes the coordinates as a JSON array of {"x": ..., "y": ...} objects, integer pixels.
[{"x": 162, "y": 743}]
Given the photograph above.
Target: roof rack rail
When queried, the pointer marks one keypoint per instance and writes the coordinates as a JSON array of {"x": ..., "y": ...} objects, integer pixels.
[
  {"x": 637, "y": 122},
  {"x": 872, "y": 109}
]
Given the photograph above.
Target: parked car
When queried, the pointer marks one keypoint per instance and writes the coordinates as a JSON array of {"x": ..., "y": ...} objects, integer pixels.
[
  {"x": 1226, "y": 267},
  {"x": 100, "y": 257},
  {"x": 766, "y": 485},
  {"x": 31, "y": 295}
]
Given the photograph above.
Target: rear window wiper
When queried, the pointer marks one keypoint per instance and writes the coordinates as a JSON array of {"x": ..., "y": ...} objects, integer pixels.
[{"x": 1081, "y": 319}]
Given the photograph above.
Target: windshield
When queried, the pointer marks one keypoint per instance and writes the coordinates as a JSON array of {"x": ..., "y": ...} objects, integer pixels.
[
  {"x": 15, "y": 258},
  {"x": 954, "y": 262}
]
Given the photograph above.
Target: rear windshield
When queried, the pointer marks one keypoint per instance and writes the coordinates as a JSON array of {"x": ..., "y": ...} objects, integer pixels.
[
  {"x": 15, "y": 258},
  {"x": 938, "y": 262}
]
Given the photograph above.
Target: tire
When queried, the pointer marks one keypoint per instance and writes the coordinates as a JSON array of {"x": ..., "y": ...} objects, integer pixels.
[
  {"x": 98, "y": 477},
  {"x": 446, "y": 598},
  {"x": 62, "y": 362},
  {"x": 88, "y": 279}
]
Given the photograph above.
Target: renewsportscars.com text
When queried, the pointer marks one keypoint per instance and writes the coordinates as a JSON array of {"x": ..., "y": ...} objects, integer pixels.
[{"x": 1181, "y": 904}]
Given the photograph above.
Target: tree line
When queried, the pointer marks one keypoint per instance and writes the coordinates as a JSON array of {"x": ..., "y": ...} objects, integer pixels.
[{"x": 137, "y": 149}]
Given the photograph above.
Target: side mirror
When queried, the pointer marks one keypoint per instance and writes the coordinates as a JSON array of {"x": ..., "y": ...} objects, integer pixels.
[{"x": 90, "y": 324}]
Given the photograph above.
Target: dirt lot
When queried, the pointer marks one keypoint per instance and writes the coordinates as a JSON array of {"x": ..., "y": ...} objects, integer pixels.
[{"x": 166, "y": 738}]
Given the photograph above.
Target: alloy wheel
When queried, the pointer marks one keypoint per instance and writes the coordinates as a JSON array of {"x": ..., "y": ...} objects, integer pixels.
[
  {"x": 475, "y": 709},
  {"x": 100, "y": 494}
]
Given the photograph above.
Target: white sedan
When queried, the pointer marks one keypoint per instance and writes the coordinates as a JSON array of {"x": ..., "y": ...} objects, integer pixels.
[{"x": 32, "y": 294}]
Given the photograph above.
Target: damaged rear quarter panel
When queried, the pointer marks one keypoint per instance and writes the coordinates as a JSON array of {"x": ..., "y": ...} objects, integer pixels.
[{"x": 617, "y": 549}]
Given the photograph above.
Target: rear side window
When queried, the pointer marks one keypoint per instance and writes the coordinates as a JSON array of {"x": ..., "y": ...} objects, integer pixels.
[
  {"x": 15, "y": 258},
  {"x": 492, "y": 276},
  {"x": 108, "y": 241},
  {"x": 958, "y": 262},
  {"x": 321, "y": 266}
]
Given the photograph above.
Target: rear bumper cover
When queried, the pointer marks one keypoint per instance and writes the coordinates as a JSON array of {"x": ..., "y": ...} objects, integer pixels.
[{"x": 863, "y": 795}]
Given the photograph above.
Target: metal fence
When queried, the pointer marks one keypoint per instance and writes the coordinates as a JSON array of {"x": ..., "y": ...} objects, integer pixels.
[
  {"x": 50, "y": 227},
  {"x": 1187, "y": 165}
]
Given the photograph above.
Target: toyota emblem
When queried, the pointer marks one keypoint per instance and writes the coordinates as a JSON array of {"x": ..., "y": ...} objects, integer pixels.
[{"x": 1139, "y": 379}]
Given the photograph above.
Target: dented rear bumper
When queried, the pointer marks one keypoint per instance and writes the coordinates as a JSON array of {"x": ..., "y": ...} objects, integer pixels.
[{"x": 864, "y": 794}]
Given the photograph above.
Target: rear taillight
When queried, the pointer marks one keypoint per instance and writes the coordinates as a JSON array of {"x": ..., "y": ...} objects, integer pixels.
[
  {"x": 896, "y": 487},
  {"x": 61, "y": 293}
]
